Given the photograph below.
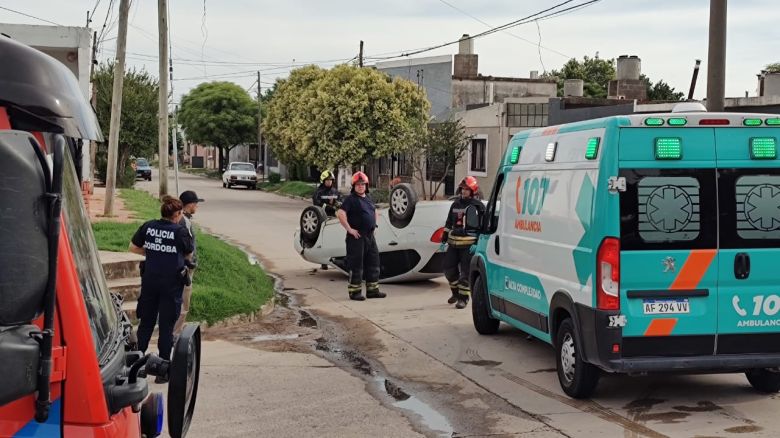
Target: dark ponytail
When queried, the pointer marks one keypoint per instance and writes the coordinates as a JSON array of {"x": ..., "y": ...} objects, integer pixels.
[{"x": 170, "y": 206}]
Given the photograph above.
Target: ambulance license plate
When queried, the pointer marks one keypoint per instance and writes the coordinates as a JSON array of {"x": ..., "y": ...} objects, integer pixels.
[{"x": 664, "y": 307}]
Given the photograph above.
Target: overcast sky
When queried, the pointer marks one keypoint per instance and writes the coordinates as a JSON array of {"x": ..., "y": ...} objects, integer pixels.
[{"x": 668, "y": 35}]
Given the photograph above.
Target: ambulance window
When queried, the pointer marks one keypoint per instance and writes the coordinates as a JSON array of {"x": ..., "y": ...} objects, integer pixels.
[
  {"x": 102, "y": 314},
  {"x": 749, "y": 208},
  {"x": 494, "y": 205},
  {"x": 668, "y": 209}
]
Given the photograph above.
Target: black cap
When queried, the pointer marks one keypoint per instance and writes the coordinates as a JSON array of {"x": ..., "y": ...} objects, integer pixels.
[{"x": 188, "y": 197}]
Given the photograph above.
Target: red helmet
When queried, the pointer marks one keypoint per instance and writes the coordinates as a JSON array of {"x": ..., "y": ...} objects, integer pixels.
[
  {"x": 470, "y": 183},
  {"x": 359, "y": 177}
]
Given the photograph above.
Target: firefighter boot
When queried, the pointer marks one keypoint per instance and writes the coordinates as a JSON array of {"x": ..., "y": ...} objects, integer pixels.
[
  {"x": 454, "y": 289},
  {"x": 355, "y": 292},
  {"x": 372, "y": 291}
]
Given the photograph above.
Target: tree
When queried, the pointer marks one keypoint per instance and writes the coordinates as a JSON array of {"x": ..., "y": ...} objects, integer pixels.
[
  {"x": 219, "y": 114},
  {"x": 138, "y": 130},
  {"x": 441, "y": 148},
  {"x": 661, "y": 90},
  {"x": 773, "y": 68},
  {"x": 595, "y": 72},
  {"x": 345, "y": 115}
]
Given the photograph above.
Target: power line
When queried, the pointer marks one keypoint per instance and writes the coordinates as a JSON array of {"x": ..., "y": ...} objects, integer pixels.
[
  {"x": 507, "y": 32},
  {"x": 93, "y": 10},
  {"x": 29, "y": 16},
  {"x": 525, "y": 20}
]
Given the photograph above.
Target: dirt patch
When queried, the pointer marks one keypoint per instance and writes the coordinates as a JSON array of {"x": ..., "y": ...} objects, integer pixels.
[
  {"x": 748, "y": 428},
  {"x": 96, "y": 205}
]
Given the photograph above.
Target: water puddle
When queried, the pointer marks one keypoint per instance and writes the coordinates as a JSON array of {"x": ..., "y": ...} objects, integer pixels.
[
  {"x": 481, "y": 363},
  {"x": 306, "y": 320},
  {"x": 431, "y": 419},
  {"x": 263, "y": 338}
]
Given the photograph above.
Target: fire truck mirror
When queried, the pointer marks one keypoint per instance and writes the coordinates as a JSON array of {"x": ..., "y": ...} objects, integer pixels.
[
  {"x": 19, "y": 366},
  {"x": 183, "y": 375}
]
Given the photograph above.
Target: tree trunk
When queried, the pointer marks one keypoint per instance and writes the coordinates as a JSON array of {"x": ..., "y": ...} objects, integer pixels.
[{"x": 221, "y": 158}]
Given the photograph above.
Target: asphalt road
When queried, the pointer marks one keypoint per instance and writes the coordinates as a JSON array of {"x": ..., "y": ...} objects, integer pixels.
[{"x": 467, "y": 384}]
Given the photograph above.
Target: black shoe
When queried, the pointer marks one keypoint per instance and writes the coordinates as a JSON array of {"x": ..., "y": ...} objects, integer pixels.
[
  {"x": 160, "y": 380},
  {"x": 375, "y": 294},
  {"x": 324, "y": 267},
  {"x": 357, "y": 296},
  {"x": 462, "y": 303},
  {"x": 453, "y": 299}
]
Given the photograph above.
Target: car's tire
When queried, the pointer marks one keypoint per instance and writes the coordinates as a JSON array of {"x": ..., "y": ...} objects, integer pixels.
[
  {"x": 764, "y": 380},
  {"x": 403, "y": 200},
  {"x": 224, "y": 184},
  {"x": 311, "y": 222},
  {"x": 480, "y": 310},
  {"x": 254, "y": 187},
  {"x": 578, "y": 378}
]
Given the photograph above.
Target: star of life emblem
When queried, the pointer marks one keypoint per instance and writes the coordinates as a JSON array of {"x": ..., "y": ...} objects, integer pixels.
[{"x": 669, "y": 264}]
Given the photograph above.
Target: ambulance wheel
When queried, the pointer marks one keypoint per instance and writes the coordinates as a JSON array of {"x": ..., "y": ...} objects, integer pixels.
[
  {"x": 578, "y": 378},
  {"x": 403, "y": 200},
  {"x": 480, "y": 310},
  {"x": 311, "y": 222},
  {"x": 764, "y": 379}
]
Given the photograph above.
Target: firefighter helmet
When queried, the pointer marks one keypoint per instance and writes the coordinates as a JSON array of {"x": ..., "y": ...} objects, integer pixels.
[
  {"x": 470, "y": 183},
  {"x": 359, "y": 177},
  {"x": 326, "y": 175}
]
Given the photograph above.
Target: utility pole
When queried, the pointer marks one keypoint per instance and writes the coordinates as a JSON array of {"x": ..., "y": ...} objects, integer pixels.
[
  {"x": 260, "y": 147},
  {"x": 716, "y": 57},
  {"x": 116, "y": 107},
  {"x": 93, "y": 100},
  {"x": 174, "y": 130},
  {"x": 162, "y": 28},
  {"x": 360, "y": 56}
]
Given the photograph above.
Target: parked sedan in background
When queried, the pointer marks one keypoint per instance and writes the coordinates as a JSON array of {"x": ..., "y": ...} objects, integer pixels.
[
  {"x": 240, "y": 174},
  {"x": 142, "y": 169}
]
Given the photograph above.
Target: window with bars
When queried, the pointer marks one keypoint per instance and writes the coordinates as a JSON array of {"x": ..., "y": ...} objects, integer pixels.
[{"x": 526, "y": 114}]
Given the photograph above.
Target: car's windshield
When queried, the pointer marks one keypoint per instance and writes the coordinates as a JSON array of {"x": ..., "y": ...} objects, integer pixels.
[
  {"x": 141, "y": 162},
  {"x": 243, "y": 167},
  {"x": 103, "y": 319}
]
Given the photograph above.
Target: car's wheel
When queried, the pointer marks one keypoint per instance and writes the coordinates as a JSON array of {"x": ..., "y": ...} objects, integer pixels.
[
  {"x": 311, "y": 222},
  {"x": 764, "y": 379},
  {"x": 403, "y": 200},
  {"x": 578, "y": 378},
  {"x": 254, "y": 187},
  {"x": 480, "y": 309}
]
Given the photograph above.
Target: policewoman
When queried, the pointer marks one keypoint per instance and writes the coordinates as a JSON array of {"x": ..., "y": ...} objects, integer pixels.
[
  {"x": 358, "y": 216},
  {"x": 165, "y": 244}
]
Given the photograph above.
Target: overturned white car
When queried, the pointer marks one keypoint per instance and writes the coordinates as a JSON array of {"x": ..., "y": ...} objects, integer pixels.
[{"x": 408, "y": 238}]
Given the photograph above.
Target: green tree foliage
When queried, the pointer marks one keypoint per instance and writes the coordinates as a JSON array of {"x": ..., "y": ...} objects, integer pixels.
[
  {"x": 219, "y": 114},
  {"x": 595, "y": 72},
  {"x": 661, "y": 90},
  {"x": 341, "y": 116},
  {"x": 138, "y": 125},
  {"x": 442, "y": 147},
  {"x": 773, "y": 68}
]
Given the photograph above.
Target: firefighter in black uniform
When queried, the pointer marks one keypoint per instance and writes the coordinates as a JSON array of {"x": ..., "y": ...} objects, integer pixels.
[
  {"x": 458, "y": 256},
  {"x": 165, "y": 244},
  {"x": 326, "y": 195},
  {"x": 358, "y": 216}
]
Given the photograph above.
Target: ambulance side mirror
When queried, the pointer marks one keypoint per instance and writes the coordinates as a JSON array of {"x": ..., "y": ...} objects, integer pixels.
[
  {"x": 20, "y": 355},
  {"x": 473, "y": 219},
  {"x": 184, "y": 376}
]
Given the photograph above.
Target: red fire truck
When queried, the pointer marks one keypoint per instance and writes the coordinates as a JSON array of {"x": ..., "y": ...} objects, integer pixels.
[{"x": 68, "y": 367}]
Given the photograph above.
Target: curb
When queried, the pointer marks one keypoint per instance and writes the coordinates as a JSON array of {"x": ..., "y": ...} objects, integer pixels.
[{"x": 265, "y": 310}]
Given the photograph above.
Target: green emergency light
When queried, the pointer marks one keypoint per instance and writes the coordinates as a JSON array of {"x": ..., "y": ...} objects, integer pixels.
[
  {"x": 515, "y": 155},
  {"x": 668, "y": 148},
  {"x": 773, "y": 122},
  {"x": 752, "y": 122},
  {"x": 654, "y": 121},
  {"x": 763, "y": 148},
  {"x": 677, "y": 121},
  {"x": 592, "y": 150}
]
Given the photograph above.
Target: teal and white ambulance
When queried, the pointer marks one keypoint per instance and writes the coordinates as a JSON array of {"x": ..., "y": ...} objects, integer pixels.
[{"x": 638, "y": 244}]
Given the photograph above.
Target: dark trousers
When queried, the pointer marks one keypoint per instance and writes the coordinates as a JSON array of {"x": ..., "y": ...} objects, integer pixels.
[
  {"x": 161, "y": 302},
  {"x": 457, "y": 262},
  {"x": 363, "y": 263}
]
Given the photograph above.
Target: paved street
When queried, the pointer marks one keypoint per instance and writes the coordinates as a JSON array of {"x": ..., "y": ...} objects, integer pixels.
[{"x": 461, "y": 383}]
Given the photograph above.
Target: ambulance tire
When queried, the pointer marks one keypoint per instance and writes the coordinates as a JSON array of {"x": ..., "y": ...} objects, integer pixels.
[
  {"x": 480, "y": 310},
  {"x": 312, "y": 219},
  {"x": 403, "y": 200},
  {"x": 578, "y": 378},
  {"x": 151, "y": 411},
  {"x": 764, "y": 380}
]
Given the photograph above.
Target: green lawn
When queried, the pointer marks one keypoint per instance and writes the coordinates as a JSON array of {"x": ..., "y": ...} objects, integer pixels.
[
  {"x": 208, "y": 173},
  {"x": 225, "y": 283},
  {"x": 294, "y": 188}
]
